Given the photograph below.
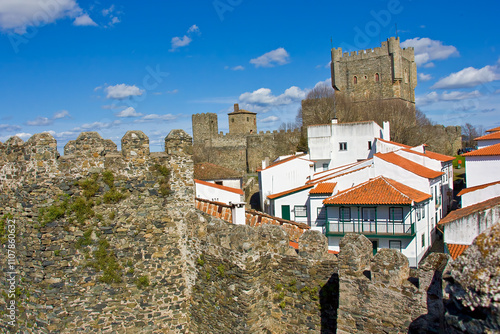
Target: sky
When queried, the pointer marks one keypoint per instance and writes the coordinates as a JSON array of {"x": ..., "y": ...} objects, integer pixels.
[{"x": 68, "y": 66}]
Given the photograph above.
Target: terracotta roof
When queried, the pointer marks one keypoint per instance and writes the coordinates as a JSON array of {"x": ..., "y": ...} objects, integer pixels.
[
  {"x": 468, "y": 210},
  {"x": 282, "y": 161},
  {"x": 208, "y": 171},
  {"x": 493, "y": 135},
  {"x": 471, "y": 189},
  {"x": 325, "y": 188},
  {"x": 485, "y": 151},
  {"x": 494, "y": 129},
  {"x": 291, "y": 191},
  {"x": 456, "y": 250},
  {"x": 341, "y": 123},
  {"x": 432, "y": 155},
  {"x": 409, "y": 165},
  {"x": 328, "y": 177},
  {"x": 293, "y": 244},
  {"x": 393, "y": 143},
  {"x": 333, "y": 252},
  {"x": 213, "y": 185},
  {"x": 378, "y": 191}
]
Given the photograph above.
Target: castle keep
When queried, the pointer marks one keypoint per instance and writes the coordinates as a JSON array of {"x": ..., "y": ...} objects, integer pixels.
[
  {"x": 243, "y": 148},
  {"x": 384, "y": 73}
]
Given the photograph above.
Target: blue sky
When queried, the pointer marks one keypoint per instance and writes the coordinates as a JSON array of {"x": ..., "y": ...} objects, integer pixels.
[{"x": 68, "y": 66}]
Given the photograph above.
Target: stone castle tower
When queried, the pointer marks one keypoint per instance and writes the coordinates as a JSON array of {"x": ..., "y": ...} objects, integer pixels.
[
  {"x": 384, "y": 73},
  {"x": 242, "y": 121},
  {"x": 242, "y": 148}
]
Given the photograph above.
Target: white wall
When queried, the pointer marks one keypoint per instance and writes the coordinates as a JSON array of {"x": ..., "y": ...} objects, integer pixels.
[
  {"x": 482, "y": 170},
  {"x": 400, "y": 175},
  {"x": 465, "y": 230},
  {"x": 216, "y": 195},
  {"x": 299, "y": 198},
  {"x": 488, "y": 142},
  {"x": 231, "y": 183},
  {"x": 285, "y": 176},
  {"x": 480, "y": 195}
]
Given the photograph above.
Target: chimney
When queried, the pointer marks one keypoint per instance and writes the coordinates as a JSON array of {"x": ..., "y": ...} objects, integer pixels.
[
  {"x": 238, "y": 213},
  {"x": 335, "y": 120},
  {"x": 236, "y": 107}
]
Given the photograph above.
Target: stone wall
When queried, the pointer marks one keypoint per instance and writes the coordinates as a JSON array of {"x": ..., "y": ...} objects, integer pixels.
[
  {"x": 254, "y": 218},
  {"x": 241, "y": 152}
]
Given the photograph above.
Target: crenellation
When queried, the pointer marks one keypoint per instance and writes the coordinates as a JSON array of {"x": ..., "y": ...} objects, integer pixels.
[{"x": 135, "y": 144}]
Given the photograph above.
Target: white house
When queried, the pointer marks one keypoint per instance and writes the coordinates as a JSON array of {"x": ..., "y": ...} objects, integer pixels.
[
  {"x": 223, "y": 176},
  {"x": 338, "y": 144},
  {"x": 217, "y": 193},
  {"x": 292, "y": 204},
  {"x": 482, "y": 165},
  {"x": 492, "y": 138},
  {"x": 389, "y": 213},
  {"x": 478, "y": 194},
  {"x": 288, "y": 173},
  {"x": 462, "y": 226}
]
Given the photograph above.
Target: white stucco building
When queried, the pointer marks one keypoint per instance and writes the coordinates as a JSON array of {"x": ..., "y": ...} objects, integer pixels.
[
  {"x": 482, "y": 165},
  {"x": 338, "y": 144},
  {"x": 217, "y": 193}
]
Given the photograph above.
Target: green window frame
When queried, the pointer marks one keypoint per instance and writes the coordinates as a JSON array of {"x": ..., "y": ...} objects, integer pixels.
[
  {"x": 396, "y": 214},
  {"x": 300, "y": 210},
  {"x": 344, "y": 214}
]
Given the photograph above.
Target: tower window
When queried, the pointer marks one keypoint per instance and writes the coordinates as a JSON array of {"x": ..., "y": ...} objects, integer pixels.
[
  {"x": 377, "y": 77},
  {"x": 248, "y": 119},
  {"x": 232, "y": 120},
  {"x": 355, "y": 80}
]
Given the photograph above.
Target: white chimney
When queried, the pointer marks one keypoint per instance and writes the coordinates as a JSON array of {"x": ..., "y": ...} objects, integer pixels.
[
  {"x": 335, "y": 120},
  {"x": 238, "y": 213}
]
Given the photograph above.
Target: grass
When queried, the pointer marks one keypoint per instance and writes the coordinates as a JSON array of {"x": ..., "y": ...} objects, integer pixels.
[
  {"x": 89, "y": 186},
  {"x": 105, "y": 261},
  {"x": 113, "y": 196},
  {"x": 163, "y": 174},
  {"x": 142, "y": 282}
]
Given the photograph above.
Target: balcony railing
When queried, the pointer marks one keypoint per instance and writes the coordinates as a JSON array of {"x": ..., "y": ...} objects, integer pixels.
[{"x": 380, "y": 226}]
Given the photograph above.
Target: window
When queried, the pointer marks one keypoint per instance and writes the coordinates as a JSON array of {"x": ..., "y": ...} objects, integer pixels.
[
  {"x": 368, "y": 214},
  {"x": 232, "y": 120},
  {"x": 377, "y": 77},
  {"x": 396, "y": 214},
  {"x": 370, "y": 145},
  {"x": 248, "y": 119},
  {"x": 355, "y": 80},
  {"x": 218, "y": 183},
  {"x": 300, "y": 211},
  {"x": 343, "y": 146},
  {"x": 321, "y": 214},
  {"x": 423, "y": 211},
  {"x": 423, "y": 240},
  {"x": 325, "y": 166},
  {"x": 345, "y": 214},
  {"x": 418, "y": 211},
  {"x": 395, "y": 244}
]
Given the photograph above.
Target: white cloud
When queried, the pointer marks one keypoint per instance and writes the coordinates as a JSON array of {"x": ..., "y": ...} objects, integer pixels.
[
  {"x": 61, "y": 114},
  {"x": 156, "y": 117},
  {"x": 23, "y": 135},
  {"x": 96, "y": 126},
  {"x": 427, "y": 49},
  {"x": 9, "y": 127},
  {"x": 468, "y": 77},
  {"x": 107, "y": 11},
  {"x": 269, "y": 119},
  {"x": 17, "y": 15},
  {"x": 40, "y": 121},
  {"x": 123, "y": 91},
  {"x": 193, "y": 29},
  {"x": 84, "y": 20},
  {"x": 178, "y": 42},
  {"x": 237, "y": 68},
  {"x": 175, "y": 91},
  {"x": 434, "y": 97},
  {"x": 262, "y": 99},
  {"x": 424, "y": 77},
  {"x": 129, "y": 112},
  {"x": 272, "y": 58}
]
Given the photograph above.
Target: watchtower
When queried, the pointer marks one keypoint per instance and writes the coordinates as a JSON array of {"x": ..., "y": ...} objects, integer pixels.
[
  {"x": 242, "y": 121},
  {"x": 205, "y": 127},
  {"x": 384, "y": 73}
]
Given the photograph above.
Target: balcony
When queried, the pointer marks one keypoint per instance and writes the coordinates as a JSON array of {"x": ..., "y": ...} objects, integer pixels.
[{"x": 380, "y": 227}]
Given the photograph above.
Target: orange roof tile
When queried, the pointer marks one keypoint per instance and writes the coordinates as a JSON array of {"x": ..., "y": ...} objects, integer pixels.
[
  {"x": 471, "y": 189},
  {"x": 325, "y": 188},
  {"x": 493, "y": 135},
  {"x": 378, "y": 191},
  {"x": 432, "y": 155},
  {"x": 485, "y": 151},
  {"x": 291, "y": 191},
  {"x": 333, "y": 252},
  {"x": 326, "y": 178},
  {"x": 468, "y": 210},
  {"x": 293, "y": 244},
  {"x": 456, "y": 250},
  {"x": 393, "y": 143},
  {"x": 213, "y": 185},
  {"x": 494, "y": 129},
  {"x": 409, "y": 165}
]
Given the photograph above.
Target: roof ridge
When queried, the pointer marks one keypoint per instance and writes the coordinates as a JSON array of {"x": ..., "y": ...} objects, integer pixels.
[{"x": 394, "y": 187}]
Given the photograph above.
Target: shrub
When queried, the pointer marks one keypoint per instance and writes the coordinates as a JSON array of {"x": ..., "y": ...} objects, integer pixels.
[
  {"x": 113, "y": 196},
  {"x": 89, "y": 186},
  {"x": 108, "y": 178},
  {"x": 142, "y": 282}
]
